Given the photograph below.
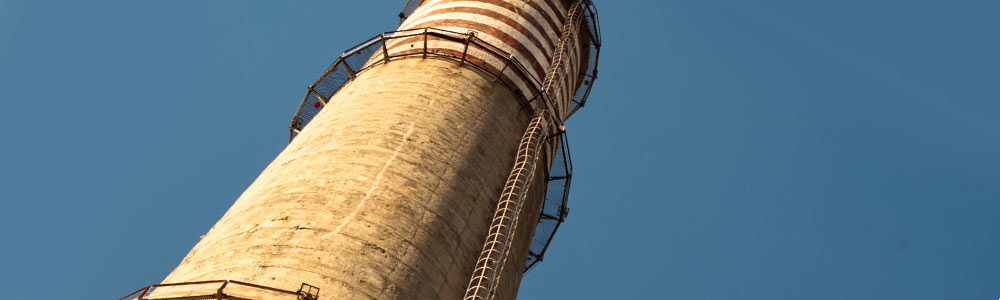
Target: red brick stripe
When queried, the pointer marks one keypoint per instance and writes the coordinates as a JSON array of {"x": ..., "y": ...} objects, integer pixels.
[
  {"x": 546, "y": 49},
  {"x": 553, "y": 28},
  {"x": 497, "y": 33}
]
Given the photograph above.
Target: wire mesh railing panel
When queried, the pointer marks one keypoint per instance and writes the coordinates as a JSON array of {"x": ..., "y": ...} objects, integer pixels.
[
  {"x": 583, "y": 92},
  {"x": 557, "y": 191},
  {"x": 553, "y": 211},
  {"x": 544, "y": 232},
  {"x": 308, "y": 110},
  {"x": 331, "y": 81},
  {"x": 590, "y": 41},
  {"x": 358, "y": 58},
  {"x": 561, "y": 165},
  {"x": 593, "y": 24},
  {"x": 530, "y": 262}
]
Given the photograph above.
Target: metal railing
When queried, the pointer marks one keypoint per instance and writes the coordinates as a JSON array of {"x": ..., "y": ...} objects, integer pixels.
[
  {"x": 220, "y": 290},
  {"x": 374, "y": 52},
  {"x": 554, "y": 207},
  {"x": 593, "y": 28}
]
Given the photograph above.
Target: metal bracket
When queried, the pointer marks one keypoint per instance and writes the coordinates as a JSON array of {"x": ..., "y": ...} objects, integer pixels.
[
  {"x": 318, "y": 96},
  {"x": 425, "y": 41},
  {"x": 308, "y": 292},
  {"x": 350, "y": 71},
  {"x": 468, "y": 39},
  {"x": 510, "y": 58}
]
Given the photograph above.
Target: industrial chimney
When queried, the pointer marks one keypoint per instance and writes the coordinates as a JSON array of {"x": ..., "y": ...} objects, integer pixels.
[{"x": 426, "y": 163}]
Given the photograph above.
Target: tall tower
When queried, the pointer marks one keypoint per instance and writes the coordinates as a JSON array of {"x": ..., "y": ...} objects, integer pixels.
[{"x": 426, "y": 163}]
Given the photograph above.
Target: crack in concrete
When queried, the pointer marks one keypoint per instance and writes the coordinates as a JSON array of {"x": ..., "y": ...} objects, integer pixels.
[{"x": 378, "y": 179}]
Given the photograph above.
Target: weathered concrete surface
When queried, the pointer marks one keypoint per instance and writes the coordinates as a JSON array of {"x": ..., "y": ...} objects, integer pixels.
[{"x": 386, "y": 194}]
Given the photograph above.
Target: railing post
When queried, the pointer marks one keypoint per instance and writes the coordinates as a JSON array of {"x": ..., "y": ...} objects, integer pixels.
[
  {"x": 218, "y": 293},
  {"x": 385, "y": 51},
  {"x": 505, "y": 65},
  {"x": 425, "y": 41},
  {"x": 465, "y": 51},
  {"x": 349, "y": 71},
  {"x": 145, "y": 291},
  {"x": 318, "y": 96}
]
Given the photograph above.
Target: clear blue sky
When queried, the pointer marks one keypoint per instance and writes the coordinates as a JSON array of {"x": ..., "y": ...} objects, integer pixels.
[{"x": 771, "y": 149}]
